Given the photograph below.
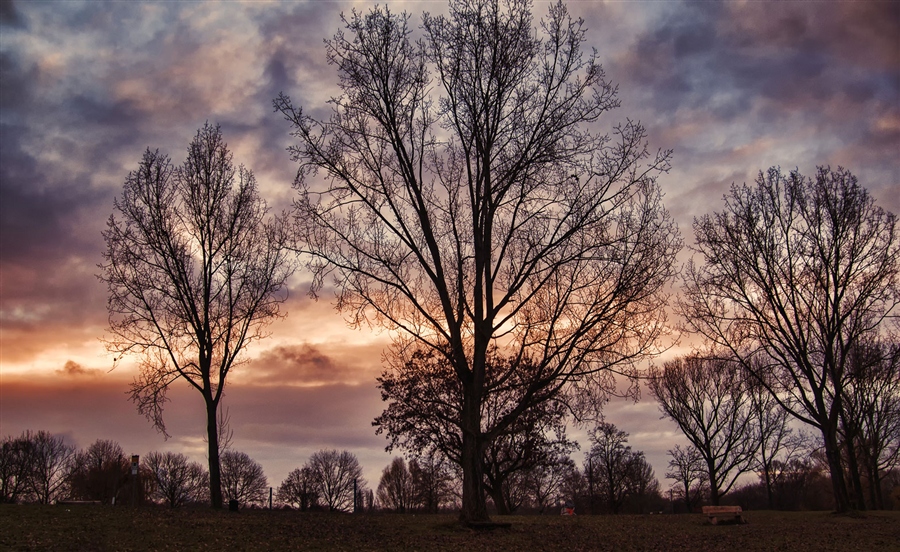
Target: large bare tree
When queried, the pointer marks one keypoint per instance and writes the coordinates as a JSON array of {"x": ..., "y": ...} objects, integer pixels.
[
  {"x": 195, "y": 268},
  {"x": 793, "y": 273},
  {"x": 466, "y": 200}
]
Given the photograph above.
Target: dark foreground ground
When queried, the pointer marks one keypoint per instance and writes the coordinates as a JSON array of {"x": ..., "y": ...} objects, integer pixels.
[{"x": 120, "y": 529}]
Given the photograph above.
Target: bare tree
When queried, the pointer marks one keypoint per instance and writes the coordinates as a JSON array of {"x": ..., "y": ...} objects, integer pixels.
[
  {"x": 395, "y": 489},
  {"x": 793, "y": 273},
  {"x": 99, "y": 472},
  {"x": 337, "y": 475},
  {"x": 50, "y": 461},
  {"x": 643, "y": 486},
  {"x": 872, "y": 413},
  {"x": 15, "y": 466},
  {"x": 300, "y": 489},
  {"x": 195, "y": 270},
  {"x": 710, "y": 401},
  {"x": 689, "y": 472},
  {"x": 243, "y": 478},
  {"x": 545, "y": 481},
  {"x": 468, "y": 204},
  {"x": 178, "y": 481},
  {"x": 431, "y": 480},
  {"x": 611, "y": 466},
  {"x": 777, "y": 441}
]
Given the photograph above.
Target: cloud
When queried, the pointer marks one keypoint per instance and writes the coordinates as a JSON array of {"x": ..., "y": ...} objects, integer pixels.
[{"x": 74, "y": 370}]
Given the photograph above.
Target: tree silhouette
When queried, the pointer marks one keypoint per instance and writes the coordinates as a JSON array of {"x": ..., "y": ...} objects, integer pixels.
[
  {"x": 243, "y": 478},
  {"x": 195, "y": 269},
  {"x": 300, "y": 489},
  {"x": 711, "y": 403},
  {"x": 466, "y": 202},
  {"x": 795, "y": 272},
  {"x": 337, "y": 475},
  {"x": 612, "y": 468},
  {"x": 99, "y": 472},
  {"x": 395, "y": 489},
  {"x": 177, "y": 480},
  {"x": 689, "y": 472}
]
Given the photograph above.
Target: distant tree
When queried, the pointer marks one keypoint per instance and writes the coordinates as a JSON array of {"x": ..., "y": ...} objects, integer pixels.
[
  {"x": 544, "y": 482},
  {"x": 99, "y": 472},
  {"x": 243, "y": 478},
  {"x": 300, "y": 489},
  {"x": 395, "y": 489},
  {"x": 613, "y": 470},
  {"x": 467, "y": 203},
  {"x": 643, "y": 486},
  {"x": 195, "y": 270},
  {"x": 871, "y": 420},
  {"x": 50, "y": 461},
  {"x": 688, "y": 470},
  {"x": 709, "y": 400},
  {"x": 336, "y": 473},
  {"x": 15, "y": 467},
  {"x": 178, "y": 481},
  {"x": 777, "y": 441},
  {"x": 793, "y": 273},
  {"x": 432, "y": 482}
]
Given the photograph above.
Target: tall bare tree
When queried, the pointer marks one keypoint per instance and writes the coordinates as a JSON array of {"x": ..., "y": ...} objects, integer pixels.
[
  {"x": 794, "y": 272},
  {"x": 467, "y": 202},
  {"x": 710, "y": 401},
  {"x": 196, "y": 269}
]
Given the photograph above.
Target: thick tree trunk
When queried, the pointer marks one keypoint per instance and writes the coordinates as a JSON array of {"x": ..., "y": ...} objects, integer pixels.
[
  {"x": 215, "y": 474},
  {"x": 713, "y": 486},
  {"x": 474, "y": 506},
  {"x": 838, "y": 483}
]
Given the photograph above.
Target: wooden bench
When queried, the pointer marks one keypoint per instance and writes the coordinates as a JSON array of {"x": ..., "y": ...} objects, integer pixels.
[{"x": 730, "y": 514}]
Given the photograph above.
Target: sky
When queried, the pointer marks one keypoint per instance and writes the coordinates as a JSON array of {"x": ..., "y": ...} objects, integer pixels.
[{"x": 732, "y": 87}]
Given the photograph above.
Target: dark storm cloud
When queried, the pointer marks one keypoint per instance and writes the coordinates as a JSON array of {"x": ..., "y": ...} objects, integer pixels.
[{"x": 8, "y": 14}]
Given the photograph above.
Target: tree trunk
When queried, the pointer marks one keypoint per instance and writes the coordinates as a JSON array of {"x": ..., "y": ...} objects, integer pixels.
[
  {"x": 713, "y": 486},
  {"x": 500, "y": 501},
  {"x": 770, "y": 494},
  {"x": 838, "y": 483},
  {"x": 858, "y": 501},
  {"x": 215, "y": 474},
  {"x": 474, "y": 507}
]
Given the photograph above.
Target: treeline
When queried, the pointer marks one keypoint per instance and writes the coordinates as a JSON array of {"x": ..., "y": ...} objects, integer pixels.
[{"x": 39, "y": 467}]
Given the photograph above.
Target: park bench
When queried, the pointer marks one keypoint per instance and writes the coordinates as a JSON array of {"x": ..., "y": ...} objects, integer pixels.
[{"x": 731, "y": 514}]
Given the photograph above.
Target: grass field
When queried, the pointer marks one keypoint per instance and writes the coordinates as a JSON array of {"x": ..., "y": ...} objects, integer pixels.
[{"x": 120, "y": 529}]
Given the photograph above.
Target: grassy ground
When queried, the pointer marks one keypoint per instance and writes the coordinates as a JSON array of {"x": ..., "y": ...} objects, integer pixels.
[{"x": 120, "y": 529}]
